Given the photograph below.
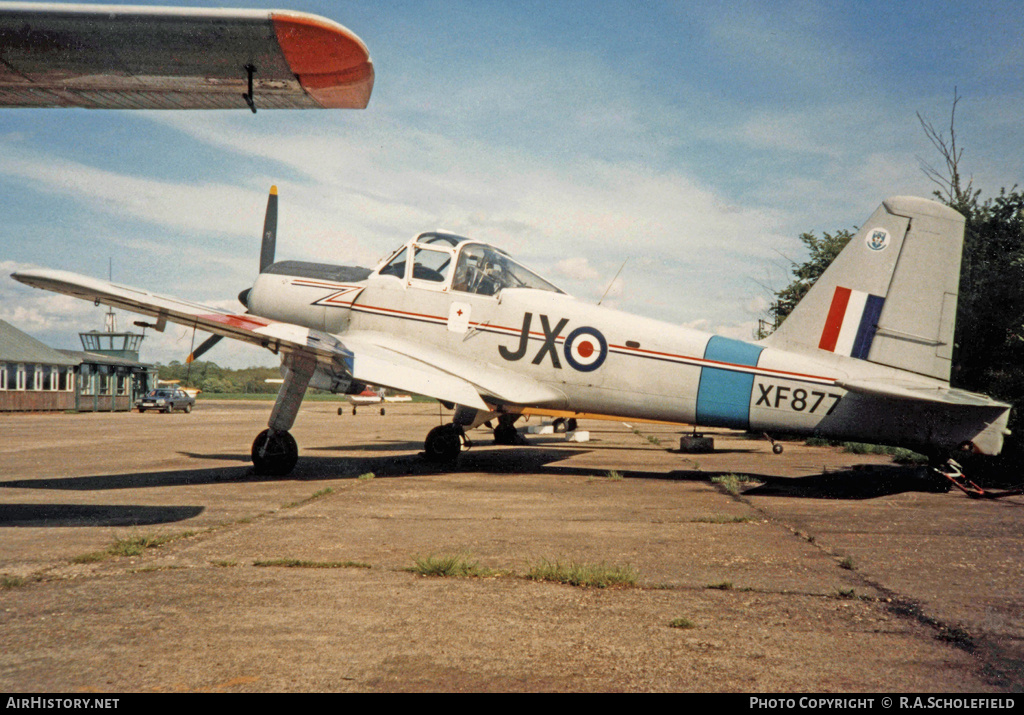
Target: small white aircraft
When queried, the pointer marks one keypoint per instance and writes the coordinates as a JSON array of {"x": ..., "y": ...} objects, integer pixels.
[{"x": 865, "y": 355}]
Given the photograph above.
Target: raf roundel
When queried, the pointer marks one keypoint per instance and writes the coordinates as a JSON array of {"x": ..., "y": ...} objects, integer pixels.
[{"x": 585, "y": 349}]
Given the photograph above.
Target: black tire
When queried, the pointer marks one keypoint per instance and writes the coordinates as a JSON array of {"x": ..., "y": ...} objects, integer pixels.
[
  {"x": 777, "y": 448},
  {"x": 506, "y": 434},
  {"x": 188, "y": 409},
  {"x": 274, "y": 455},
  {"x": 443, "y": 444},
  {"x": 570, "y": 424},
  {"x": 559, "y": 425}
]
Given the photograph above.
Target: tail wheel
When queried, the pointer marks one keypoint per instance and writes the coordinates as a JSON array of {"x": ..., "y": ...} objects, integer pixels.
[
  {"x": 274, "y": 454},
  {"x": 443, "y": 443}
]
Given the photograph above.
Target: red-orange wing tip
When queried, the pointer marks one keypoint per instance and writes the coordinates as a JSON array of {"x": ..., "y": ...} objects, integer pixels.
[{"x": 331, "y": 63}]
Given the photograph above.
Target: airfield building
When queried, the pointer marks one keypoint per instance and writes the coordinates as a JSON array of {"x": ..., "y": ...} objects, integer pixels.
[{"x": 35, "y": 377}]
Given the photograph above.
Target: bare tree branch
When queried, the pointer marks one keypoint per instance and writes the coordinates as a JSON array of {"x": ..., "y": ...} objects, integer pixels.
[{"x": 952, "y": 189}]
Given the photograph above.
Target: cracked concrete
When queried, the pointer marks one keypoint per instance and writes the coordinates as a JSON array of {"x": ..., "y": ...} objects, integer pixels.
[{"x": 816, "y": 576}]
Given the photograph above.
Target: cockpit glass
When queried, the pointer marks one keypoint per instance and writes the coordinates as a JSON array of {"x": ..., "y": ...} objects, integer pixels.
[
  {"x": 485, "y": 271},
  {"x": 440, "y": 239},
  {"x": 430, "y": 265},
  {"x": 396, "y": 266},
  {"x": 472, "y": 267}
]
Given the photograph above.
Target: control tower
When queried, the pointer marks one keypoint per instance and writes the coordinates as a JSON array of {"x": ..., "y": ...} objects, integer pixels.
[{"x": 110, "y": 342}]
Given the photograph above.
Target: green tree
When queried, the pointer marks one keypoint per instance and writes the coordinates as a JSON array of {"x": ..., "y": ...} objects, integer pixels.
[{"x": 822, "y": 251}]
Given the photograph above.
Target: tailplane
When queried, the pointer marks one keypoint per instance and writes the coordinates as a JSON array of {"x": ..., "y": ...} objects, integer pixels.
[{"x": 890, "y": 296}]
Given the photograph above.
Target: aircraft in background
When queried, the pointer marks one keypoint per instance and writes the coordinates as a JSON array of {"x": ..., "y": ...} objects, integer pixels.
[
  {"x": 865, "y": 356},
  {"x": 132, "y": 57}
]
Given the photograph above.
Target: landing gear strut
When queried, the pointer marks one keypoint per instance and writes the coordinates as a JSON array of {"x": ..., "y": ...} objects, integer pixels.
[
  {"x": 776, "y": 446},
  {"x": 274, "y": 453},
  {"x": 506, "y": 432}
]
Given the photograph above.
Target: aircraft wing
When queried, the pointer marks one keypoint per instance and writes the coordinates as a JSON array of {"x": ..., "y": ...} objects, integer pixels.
[
  {"x": 129, "y": 57},
  {"x": 362, "y": 360},
  {"x": 901, "y": 390},
  {"x": 496, "y": 385}
]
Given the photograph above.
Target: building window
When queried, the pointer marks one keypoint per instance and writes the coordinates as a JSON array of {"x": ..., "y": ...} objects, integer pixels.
[
  {"x": 21, "y": 378},
  {"x": 3, "y": 376}
]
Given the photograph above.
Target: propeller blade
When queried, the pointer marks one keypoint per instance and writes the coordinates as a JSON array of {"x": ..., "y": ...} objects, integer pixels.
[
  {"x": 269, "y": 231},
  {"x": 206, "y": 345}
]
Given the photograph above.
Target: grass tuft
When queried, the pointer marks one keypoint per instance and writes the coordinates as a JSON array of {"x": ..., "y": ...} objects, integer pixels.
[
  {"x": 454, "y": 565},
  {"x": 589, "y": 575},
  {"x": 733, "y": 483},
  {"x": 129, "y": 546},
  {"x": 900, "y": 455},
  {"x": 721, "y": 519},
  {"x": 300, "y": 564},
  {"x": 312, "y": 497},
  {"x": 11, "y": 582},
  {"x": 681, "y": 622}
]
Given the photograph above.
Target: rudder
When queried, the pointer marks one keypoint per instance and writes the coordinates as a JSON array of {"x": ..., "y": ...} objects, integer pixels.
[{"x": 890, "y": 296}]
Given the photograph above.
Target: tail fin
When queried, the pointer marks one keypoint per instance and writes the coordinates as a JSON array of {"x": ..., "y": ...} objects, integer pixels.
[{"x": 890, "y": 295}]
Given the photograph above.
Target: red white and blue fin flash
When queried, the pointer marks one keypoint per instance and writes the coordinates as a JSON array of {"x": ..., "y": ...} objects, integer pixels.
[{"x": 851, "y": 323}]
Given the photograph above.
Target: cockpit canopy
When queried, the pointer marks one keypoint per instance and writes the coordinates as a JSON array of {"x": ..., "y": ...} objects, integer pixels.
[{"x": 478, "y": 268}]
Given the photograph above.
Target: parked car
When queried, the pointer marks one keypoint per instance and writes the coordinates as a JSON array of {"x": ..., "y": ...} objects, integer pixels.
[{"x": 167, "y": 399}]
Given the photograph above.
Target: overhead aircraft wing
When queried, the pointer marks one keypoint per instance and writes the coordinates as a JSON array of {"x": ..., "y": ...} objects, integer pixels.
[
  {"x": 363, "y": 361},
  {"x": 130, "y": 57}
]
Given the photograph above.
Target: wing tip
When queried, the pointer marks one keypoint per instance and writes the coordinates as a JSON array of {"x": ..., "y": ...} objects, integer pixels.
[{"x": 332, "y": 64}]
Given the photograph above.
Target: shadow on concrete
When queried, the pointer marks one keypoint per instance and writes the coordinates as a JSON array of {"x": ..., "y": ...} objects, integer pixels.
[
  {"x": 851, "y": 484},
  {"x": 93, "y": 514}
]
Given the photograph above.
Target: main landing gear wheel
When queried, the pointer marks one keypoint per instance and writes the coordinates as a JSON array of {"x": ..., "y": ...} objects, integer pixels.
[
  {"x": 274, "y": 454},
  {"x": 561, "y": 424},
  {"x": 506, "y": 434},
  {"x": 443, "y": 443}
]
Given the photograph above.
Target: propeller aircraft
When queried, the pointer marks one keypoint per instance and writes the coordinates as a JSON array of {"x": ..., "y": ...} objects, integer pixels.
[{"x": 864, "y": 356}]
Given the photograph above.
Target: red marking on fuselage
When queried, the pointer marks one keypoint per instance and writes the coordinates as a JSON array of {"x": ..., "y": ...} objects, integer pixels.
[{"x": 620, "y": 348}]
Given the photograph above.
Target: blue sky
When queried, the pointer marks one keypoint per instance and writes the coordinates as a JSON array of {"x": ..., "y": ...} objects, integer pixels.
[{"x": 694, "y": 141}]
